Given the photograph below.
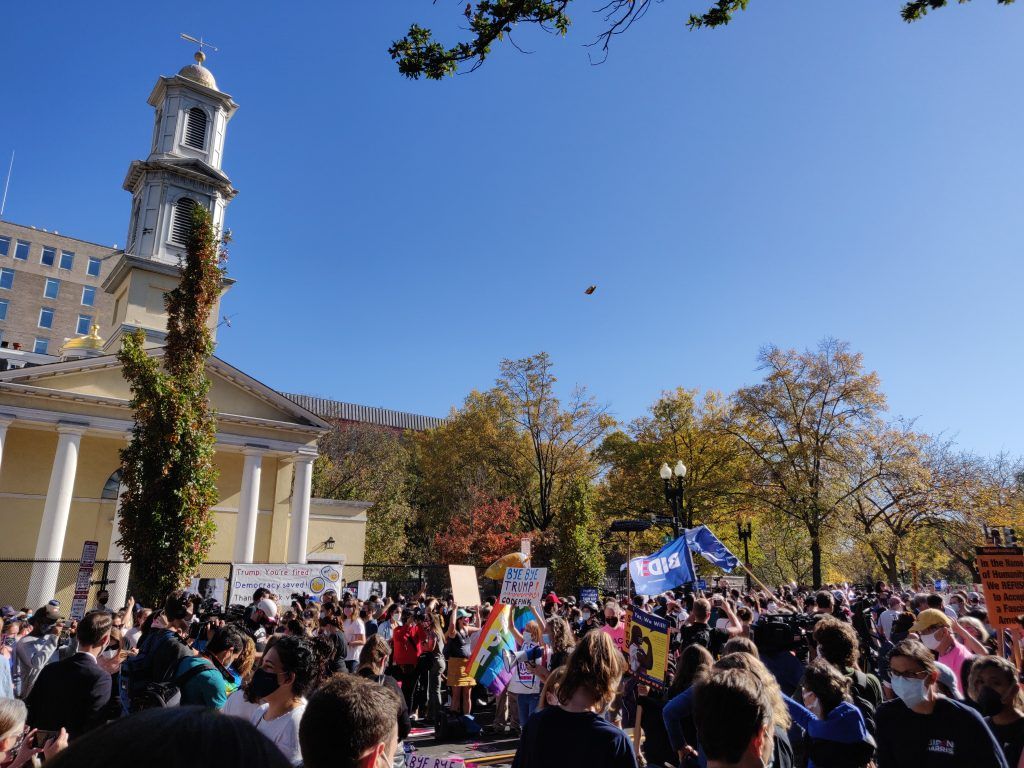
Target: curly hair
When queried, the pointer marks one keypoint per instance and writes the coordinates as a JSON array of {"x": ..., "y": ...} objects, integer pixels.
[
  {"x": 596, "y": 667},
  {"x": 561, "y": 635},
  {"x": 300, "y": 659},
  {"x": 837, "y": 642},
  {"x": 826, "y": 682}
]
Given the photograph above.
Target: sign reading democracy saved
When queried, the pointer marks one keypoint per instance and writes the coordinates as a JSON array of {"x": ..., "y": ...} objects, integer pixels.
[
  {"x": 283, "y": 580},
  {"x": 1002, "y": 575}
]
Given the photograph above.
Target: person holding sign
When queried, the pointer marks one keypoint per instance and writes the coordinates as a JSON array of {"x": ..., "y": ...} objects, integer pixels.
[
  {"x": 526, "y": 681},
  {"x": 457, "y": 650}
]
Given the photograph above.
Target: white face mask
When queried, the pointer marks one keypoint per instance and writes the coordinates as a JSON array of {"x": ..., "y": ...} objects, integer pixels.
[
  {"x": 586, "y": 615},
  {"x": 111, "y": 654},
  {"x": 722, "y": 624},
  {"x": 911, "y": 692},
  {"x": 932, "y": 641},
  {"x": 772, "y": 607},
  {"x": 812, "y": 703}
]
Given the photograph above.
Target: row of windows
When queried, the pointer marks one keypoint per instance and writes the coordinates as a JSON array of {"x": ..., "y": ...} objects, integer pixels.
[
  {"x": 46, "y": 315},
  {"x": 51, "y": 290},
  {"x": 48, "y": 256}
]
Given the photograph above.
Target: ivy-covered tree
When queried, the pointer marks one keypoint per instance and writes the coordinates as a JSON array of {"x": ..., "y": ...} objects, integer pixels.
[
  {"x": 579, "y": 560},
  {"x": 167, "y": 469},
  {"x": 419, "y": 54}
]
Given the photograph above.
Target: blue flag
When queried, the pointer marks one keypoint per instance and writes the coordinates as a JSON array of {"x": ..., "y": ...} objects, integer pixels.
[
  {"x": 702, "y": 541},
  {"x": 669, "y": 567}
]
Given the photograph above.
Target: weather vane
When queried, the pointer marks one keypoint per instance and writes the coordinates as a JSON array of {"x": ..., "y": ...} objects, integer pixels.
[{"x": 200, "y": 55}]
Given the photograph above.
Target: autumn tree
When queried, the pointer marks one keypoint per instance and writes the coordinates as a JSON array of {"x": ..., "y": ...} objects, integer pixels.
[
  {"x": 488, "y": 22},
  {"x": 170, "y": 482},
  {"x": 579, "y": 560},
  {"x": 480, "y": 533},
  {"x": 367, "y": 462},
  {"x": 805, "y": 429}
]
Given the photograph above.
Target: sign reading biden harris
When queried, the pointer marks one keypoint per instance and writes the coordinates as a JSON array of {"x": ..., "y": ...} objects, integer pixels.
[
  {"x": 283, "y": 580},
  {"x": 669, "y": 567}
]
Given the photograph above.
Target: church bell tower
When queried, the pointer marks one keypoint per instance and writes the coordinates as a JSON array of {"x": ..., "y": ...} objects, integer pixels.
[{"x": 183, "y": 170}]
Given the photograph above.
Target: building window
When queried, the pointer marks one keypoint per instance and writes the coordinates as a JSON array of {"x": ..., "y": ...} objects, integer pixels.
[
  {"x": 93, "y": 270},
  {"x": 41, "y": 346},
  {"x": 5, "y": 246},
  {"x": 84, "y": 325},
  {"x": 88, "y": 296},
  {"x": 6, "y": 278},
  {"x": 195, "y": 128},
  {"x": 46, "y": 317},
  {"x": 181, "y": 222},
  {"x": 133, "y": 224},
  {"x": 67, "y": 260},
  {"x": 3, "y": 309},
  {"x": 48, "y": 257},
  {"x": 52, "y": 288},
  {"x": 21, "y": 250}
]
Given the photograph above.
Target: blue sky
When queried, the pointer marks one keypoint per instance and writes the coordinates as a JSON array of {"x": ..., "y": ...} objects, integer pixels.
[{"x": 814, "y": 169}]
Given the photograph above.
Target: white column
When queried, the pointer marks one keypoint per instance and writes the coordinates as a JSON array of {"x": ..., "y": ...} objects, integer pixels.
[
  {"x": 118, "y": 572},
  {"x": 302, "y": 489},
  {"x": 42, "y": 585},
  {"x": 248, "y": 506},
  {"x": 5, "y": 422}
]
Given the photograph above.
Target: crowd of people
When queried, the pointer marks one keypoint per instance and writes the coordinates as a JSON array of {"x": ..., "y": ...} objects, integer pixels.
[{"x": 836, "y": 678}]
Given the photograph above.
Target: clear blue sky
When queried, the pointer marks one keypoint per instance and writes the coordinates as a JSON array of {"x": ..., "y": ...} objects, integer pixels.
[{"x": 814, "y": 169}]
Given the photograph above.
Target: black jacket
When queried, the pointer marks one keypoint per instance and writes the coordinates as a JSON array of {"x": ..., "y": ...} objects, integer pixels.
[{"x": 69, "y": 694}]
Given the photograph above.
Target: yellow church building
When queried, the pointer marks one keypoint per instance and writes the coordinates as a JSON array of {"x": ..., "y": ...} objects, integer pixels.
[{"x": 63, "y": 422}]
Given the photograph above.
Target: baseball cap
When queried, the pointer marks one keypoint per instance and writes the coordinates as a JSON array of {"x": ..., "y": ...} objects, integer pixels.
[
  {"x": 930, "y": 617},
  {"x": 463, "y": 614},
  {"x": 948, "y": 679},
  {"x": 8, "y": 612},
  {"x": 553, "y": 598},
  {"x": 46, "y": 616},
  {"x": 269, "y": 607}
]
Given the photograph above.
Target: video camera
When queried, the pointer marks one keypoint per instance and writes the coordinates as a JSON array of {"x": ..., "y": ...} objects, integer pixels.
[{"x": 779, "y": 633}]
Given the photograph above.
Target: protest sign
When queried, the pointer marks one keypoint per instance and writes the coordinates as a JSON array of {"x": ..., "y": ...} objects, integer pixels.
[
  {"x": 84, "y": 579},
  {"x": 648, "y": 647},
  {"x": 1002, "y": 574},
  {"x": 283, "y": 580},
  {"x": 522, "y": 589},
  {"x": 588, "y": 595},
  {"x": 465, "y": 589},
  {"x": 366, "y": 588},
  {"x": 210, "y": 589},
  {"x": 426, "y": 761}
]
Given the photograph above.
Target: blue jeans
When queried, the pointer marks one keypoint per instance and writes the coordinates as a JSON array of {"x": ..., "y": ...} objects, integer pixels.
[{"x": 527, "y": 706}]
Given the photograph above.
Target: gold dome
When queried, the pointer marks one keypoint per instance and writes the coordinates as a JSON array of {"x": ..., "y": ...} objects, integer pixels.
[
  {"x": 92, "y": 341},
  {"x": 198, "y": 72}
]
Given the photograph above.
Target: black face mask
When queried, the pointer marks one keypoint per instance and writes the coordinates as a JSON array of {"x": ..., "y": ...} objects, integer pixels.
[
  {"x": 612, "y": 622},
  {"x": 990, "y": 703},
  {"x": 263, "y": 684}
]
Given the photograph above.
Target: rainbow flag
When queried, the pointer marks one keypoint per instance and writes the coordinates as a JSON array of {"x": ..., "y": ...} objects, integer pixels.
[{"x": 490, "y": 663}]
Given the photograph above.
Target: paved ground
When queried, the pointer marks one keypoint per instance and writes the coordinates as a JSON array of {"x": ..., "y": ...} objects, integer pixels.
[{"x": 485, "y": 749}]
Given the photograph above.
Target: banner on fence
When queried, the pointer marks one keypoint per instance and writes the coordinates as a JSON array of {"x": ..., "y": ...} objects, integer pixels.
[
  {"x": 1002, "y": 574},
  {"x": 648, "y": 647},
  {"x": 84, "y": 579},
  {"x": 283, "y": 580},
  {"x": 522, "y": 589},
  {"x": 366, "y": 588},
  {"x": 465, "y": 589}
]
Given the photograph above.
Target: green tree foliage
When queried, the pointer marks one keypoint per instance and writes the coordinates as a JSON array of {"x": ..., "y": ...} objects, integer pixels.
[
  {"x": 487, "y": 22},
  {"x": 579, "y": 559},
  {"x": 366, "y": 462},
  {"x": 166, "y": 525}
]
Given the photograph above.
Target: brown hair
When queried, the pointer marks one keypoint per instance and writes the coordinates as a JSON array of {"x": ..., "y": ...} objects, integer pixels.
[
  {"x": 837, "y": 641},
  {"x": 999, "y": 664},
  {"x": 344, "y": 718},
  {"x": 561, "y": 635},
  {"x": 374, "y": 652},
  {"x": 916, "y": 650},
  {"x": 766, "y": 680},
  {"x": 826, "y": 682},
  {"x": 738, "y": 692},
  {"x": 701, "y": 609},
  {"x": 740, "y": 644},
  {"x": 551, "y": 685},
  {"x": 595, "y": 666}
]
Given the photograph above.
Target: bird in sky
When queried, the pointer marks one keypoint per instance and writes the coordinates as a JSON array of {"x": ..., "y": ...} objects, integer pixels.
[{"x": 590, "y": 290}]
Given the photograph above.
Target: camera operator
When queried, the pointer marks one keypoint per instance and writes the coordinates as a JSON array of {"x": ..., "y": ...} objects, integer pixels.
[
  {"x": 781, "y": 641},
  {"x": 261, "y": 615}
]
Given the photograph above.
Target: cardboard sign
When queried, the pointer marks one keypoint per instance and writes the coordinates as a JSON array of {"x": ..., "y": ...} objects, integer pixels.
[
  {"x": 648, "y": 647},
  {"x": 523, "y": 587},
  {"x": 283, "y": 580},
  {"x": 366, "y": 588},
  {"x": 465, "y": 589},
  {"x": 84, "y": 579},
  {"x": 1002, "y": 574},
  {"x": 589, "y": 595}
]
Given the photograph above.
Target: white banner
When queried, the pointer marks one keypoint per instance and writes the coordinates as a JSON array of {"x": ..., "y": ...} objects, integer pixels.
[
  {"x": 366, "y": 588},
  {"x": 523, "y": 586},
  {"x": 283, "y": 580}
]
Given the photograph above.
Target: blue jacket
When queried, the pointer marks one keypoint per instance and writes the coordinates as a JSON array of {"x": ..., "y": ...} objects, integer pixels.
[{"x": 842, "y": 728}]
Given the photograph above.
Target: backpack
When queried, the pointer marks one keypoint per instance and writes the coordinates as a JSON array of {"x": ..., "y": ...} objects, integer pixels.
[
  {"x": 864, "y": 696},
  {"x": 161, "y": 695}
]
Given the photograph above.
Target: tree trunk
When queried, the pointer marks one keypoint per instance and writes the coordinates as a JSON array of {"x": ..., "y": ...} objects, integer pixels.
[
  {"x": 891, "y": 567},
  {"x": 815, "y": 559}
]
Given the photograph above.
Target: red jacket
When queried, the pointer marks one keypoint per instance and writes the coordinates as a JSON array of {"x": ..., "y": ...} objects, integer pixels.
[{"x": 406, "y": 641}]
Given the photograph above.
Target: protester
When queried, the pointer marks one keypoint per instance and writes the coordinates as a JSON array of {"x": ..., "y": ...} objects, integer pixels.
[
  {"x": 744, "y": 739},
  {"x": 162, "y": 646},
  {"x": 922, "y": 727},
  {"x": 936, "y": 630},
  {"x": 372, "y": 660},
  {"x": 549, "y": 693},
  {"x": 457, "y": 650},
  {"x": 350, "y": 722},
  {"x": 837, "y": 643},
  {"x": 39, "y": 647},
  {"x": 613, "y": 626},
  {"x": 575, "y": 732},
  {"x": 526, "y": 680},
  {"x": 996, "y": 689},
  {"x": 18, "y": 743},
  {"x": 355, "y": 633},
  {"x": 288, "y": 672},
  {"x": 197, "y": 737},
  {"x": 837, "y": 734},
  {"x": 406, "y": 641},
  {"x": 562, "y": 643},
  {"x": 206, "y": 679}
]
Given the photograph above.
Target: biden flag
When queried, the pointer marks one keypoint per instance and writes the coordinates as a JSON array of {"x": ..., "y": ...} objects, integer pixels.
[{"x": 669, "y": 567}]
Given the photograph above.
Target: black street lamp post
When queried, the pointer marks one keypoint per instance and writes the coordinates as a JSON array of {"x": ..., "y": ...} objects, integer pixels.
[
  {"x": 674, "y": 495},
  {"x": 745, "y": 532}
]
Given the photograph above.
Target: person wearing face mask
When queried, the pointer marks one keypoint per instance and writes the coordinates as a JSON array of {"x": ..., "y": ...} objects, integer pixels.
[
  {"x": 994, "y": 686},
  {"x": 744, "y": 739},
  {"x": 837, "y": 734},
  {"x": 590, "y": 619},
  {"x": 350, "y": 722},
  {"x": 205, "y": 680},
  {"x": 288, "y": 672},
  {"x": 372, "y": 660},
  {"x": 526, "y": 683},
  {"x": 939, "y": 634},
  {"x": 613, "y": 626},
  {"x": 924, "y": 728}
]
